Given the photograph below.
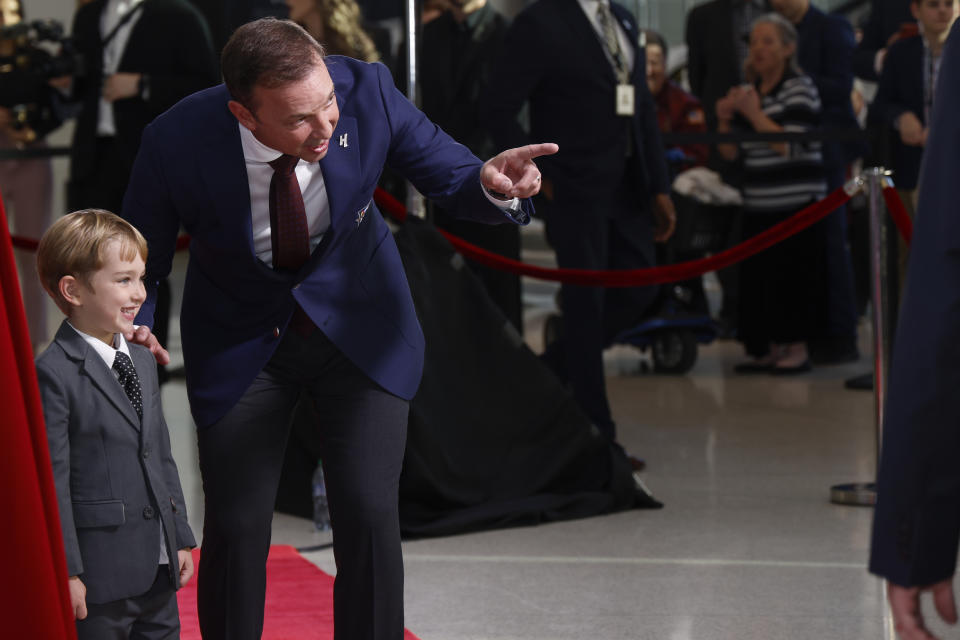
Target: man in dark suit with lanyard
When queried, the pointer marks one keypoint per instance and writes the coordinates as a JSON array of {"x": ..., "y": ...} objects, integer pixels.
[
  {"x": 296, "y": 285},
  {"x": 606, "y": 197}
]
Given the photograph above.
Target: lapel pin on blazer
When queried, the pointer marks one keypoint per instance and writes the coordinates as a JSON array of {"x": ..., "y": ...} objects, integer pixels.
[
  {"x": 343, "y": 141},
  {"x": 361, "y": 214}
]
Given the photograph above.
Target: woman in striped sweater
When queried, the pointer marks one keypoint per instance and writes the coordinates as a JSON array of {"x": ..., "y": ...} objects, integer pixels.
[{"x": 780, "y": 287}]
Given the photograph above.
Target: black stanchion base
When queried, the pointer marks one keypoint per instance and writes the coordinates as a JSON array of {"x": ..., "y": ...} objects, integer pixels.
[
  {"x": 860, "y": 383},
  {"x": 859, "y": 494}
]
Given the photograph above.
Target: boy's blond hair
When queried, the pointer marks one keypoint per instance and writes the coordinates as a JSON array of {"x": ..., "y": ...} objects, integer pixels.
[{"x": 76, "y": 245}]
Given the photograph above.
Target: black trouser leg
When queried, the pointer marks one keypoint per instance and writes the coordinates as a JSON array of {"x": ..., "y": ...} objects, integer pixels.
[{"x": 363, "y": 431}]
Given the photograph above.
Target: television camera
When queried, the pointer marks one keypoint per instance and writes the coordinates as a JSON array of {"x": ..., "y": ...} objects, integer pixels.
[{"x": 32, "y": 54}]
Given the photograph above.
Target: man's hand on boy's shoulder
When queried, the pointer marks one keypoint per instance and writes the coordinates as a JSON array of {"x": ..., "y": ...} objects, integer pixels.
[
  {"x": 78, "y": 597},
  {"x": 185, "y": 557},
  {"x": 143, "y": 336}
]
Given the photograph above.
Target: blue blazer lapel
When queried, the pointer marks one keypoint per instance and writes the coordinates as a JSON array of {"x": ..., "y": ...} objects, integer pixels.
[
  {"x": 342, "y": 175},
  {"x": 629, "y": 26}
]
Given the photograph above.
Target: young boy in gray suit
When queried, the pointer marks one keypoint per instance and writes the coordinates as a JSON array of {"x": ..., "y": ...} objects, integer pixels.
[{"x": 124, "y": 522}]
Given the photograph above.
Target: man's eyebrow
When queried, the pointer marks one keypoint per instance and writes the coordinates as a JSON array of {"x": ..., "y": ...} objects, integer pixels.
[{"x": 298, "y": 116}]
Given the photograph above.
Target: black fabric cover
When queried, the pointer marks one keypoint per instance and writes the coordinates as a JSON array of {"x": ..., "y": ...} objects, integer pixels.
[{"x": 494, "y": 440}]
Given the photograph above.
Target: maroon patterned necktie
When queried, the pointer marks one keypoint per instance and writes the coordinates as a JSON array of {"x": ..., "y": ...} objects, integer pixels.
[{"x": 289, "y": 235}]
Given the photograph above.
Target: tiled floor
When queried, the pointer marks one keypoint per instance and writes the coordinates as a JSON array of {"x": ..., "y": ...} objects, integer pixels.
[{"x": 748, "y": 546}]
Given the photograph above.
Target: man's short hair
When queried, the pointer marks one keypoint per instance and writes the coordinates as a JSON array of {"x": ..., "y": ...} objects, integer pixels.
[
  {"x": 655, "y": 37},
  {"x": 269, "y": 53},
  {"x": 76, "y": 245}
]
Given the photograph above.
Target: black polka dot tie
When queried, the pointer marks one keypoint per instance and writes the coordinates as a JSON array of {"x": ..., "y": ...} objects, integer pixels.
[{"x": 123, "y": 365}]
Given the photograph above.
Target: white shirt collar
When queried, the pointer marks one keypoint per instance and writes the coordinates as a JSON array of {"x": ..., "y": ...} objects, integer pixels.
[
  {"x": 254, "y": 150},
  {"x": 105, "y": 351}
]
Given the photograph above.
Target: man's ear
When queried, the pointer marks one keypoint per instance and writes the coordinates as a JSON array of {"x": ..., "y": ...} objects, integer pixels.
[
  {"x": 69, "y": 288},
  {"x": 242, "y": 114}
]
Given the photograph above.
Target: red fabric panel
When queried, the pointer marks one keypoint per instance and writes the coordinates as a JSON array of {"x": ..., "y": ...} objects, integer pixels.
[{"x": 34, "y": 600}]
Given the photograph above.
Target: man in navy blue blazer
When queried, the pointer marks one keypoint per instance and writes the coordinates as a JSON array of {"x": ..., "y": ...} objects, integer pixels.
[
  {"x": 606, "y": 199},
  {"x": 916, "y": 526},
  {"x": 258, "y": 328}
]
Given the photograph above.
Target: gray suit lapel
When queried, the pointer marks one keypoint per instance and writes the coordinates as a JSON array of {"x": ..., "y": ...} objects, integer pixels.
[{"x": 93, "y": 366}]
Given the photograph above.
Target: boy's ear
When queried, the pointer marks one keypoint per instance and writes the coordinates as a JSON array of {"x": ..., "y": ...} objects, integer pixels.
[{"x": 69, "y": 288}]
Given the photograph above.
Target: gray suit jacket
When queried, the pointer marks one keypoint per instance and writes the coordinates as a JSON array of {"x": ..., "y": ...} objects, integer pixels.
[{"x": 116, "y": 480}]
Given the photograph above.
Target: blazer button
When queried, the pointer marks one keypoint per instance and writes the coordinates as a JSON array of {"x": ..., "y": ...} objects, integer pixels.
[
  {"x": 147, "y": 513},
  {"x": 276, "y": 332},
  {"x": 146, "y": 453}
]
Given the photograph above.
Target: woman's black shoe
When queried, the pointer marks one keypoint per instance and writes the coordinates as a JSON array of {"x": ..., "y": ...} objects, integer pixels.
[{"x": 752, "y": 367}]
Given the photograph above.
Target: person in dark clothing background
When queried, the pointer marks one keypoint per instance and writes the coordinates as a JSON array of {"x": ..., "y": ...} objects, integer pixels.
[
  {"x": 825, "y": 45},
  {"x": 905, "y": 96},
  {"x": 677, "y": 110},
  {"x": 915, "y": 524},
  {"x": 606, "y": 195},
  {"x": 889, "y": 21},
  {"x": 458, "y": 48},
  {"x": 716, "y": 35},
  {"x": 141, "y": 58},
  {"x": 780, "y": 285}
]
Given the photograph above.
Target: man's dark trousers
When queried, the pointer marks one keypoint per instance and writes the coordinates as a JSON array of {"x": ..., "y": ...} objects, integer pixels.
[{"x": 241, "y": 456}]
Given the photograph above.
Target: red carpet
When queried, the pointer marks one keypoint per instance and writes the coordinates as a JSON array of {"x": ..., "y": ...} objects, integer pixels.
[{"x": 299, "y": 600}]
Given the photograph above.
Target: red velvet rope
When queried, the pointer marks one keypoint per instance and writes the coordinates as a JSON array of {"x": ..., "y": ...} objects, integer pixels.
[
  {"x": 638, "y": 277},
  {"x": 25, "y": 243},
  {"x": 899, "y": 214},
  {"x": 633, "y": 277}
]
